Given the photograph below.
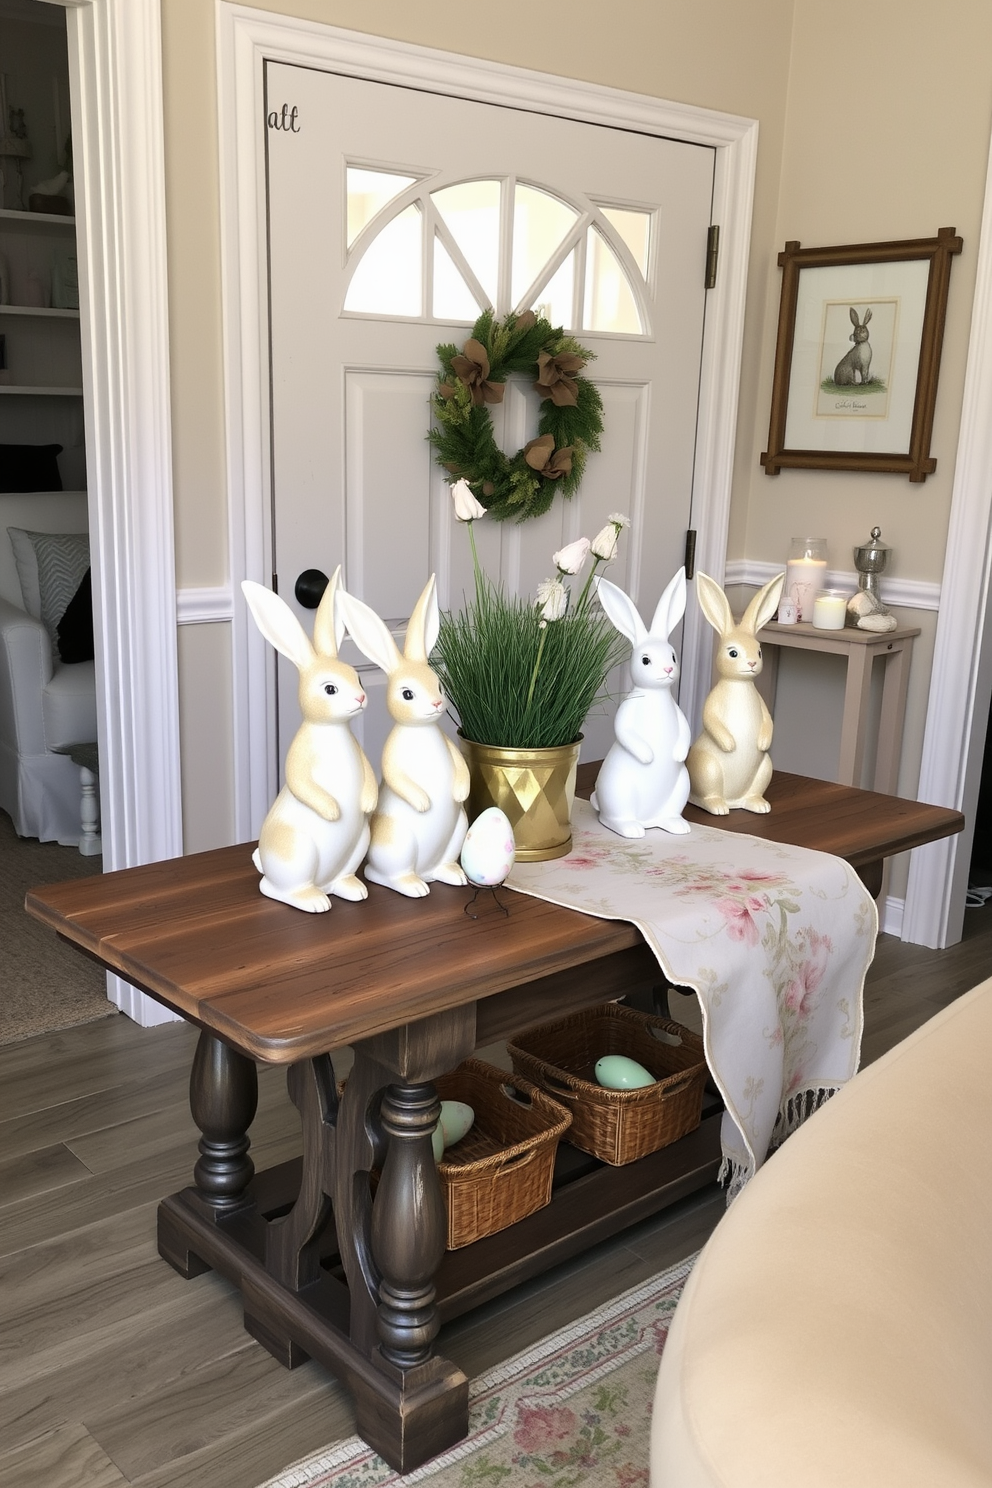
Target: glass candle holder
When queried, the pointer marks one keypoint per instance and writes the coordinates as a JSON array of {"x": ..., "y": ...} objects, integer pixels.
[
  {"x": 805, "y": 573},
  {"x": 830, "y": 610}
]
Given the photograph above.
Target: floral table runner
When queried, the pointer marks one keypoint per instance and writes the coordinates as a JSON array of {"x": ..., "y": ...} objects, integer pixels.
[{"x": 775, "y": 940}]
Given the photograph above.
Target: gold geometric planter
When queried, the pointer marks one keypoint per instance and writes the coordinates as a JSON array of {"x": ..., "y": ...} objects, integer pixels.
[{"x": 534, "y": 788}]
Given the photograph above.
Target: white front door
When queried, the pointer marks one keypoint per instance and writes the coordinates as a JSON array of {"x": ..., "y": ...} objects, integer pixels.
[{"x": 394, "y": 216}]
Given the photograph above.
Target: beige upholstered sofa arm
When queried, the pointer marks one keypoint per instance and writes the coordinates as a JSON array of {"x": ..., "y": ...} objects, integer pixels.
[{"x": 835, "y": 1331}]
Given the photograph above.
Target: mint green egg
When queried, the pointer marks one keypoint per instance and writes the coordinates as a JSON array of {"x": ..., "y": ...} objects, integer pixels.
[
  {"x": 617, "y": 1072},
  {"x": 455, "y": 1121}
]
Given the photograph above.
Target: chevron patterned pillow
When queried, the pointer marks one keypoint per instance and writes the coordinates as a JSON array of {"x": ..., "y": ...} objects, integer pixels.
[{"x": 50, "y": 566}]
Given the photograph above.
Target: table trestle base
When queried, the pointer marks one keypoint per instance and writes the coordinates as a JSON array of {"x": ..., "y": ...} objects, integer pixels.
[{"x": 315, "y": 1289}]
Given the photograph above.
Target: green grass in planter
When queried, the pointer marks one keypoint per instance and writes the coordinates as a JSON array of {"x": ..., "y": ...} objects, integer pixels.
[{"x": 486, "y": 655}]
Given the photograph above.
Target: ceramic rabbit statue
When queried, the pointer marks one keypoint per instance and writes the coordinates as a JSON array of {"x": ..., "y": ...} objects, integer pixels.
[
  {"x": 643, "y": 781},
  {"x": 317, "y": 831},
  {"x": 729, "y": 764},
  {"x": 420, "y": 822}
]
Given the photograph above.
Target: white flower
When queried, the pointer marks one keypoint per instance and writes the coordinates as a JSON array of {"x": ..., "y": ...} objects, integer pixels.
[
  {"x": 552, "y": 596},
  {"x": 620, "y": 520},
  {"x": 604, "y": 544},
  {"x": 467, "y": 508},
  {"x": 569, "y": 560}
]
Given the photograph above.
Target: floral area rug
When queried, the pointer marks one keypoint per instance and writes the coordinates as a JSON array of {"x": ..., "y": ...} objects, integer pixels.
[{"x": 574, "y": 1409}]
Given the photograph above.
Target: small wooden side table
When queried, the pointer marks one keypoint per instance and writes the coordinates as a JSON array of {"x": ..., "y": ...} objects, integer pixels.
[{"x": 860, "y": 648}]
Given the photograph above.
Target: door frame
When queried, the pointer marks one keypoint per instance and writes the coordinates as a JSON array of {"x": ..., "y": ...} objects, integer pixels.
[
  {"x": 245, "y": 39},
  {"x": 961, "y": 676},
  {"x": 115, "y": 62}
]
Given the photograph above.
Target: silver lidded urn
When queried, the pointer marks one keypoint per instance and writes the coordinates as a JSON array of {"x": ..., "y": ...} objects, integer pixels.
[{"x": 865, "y": 610}]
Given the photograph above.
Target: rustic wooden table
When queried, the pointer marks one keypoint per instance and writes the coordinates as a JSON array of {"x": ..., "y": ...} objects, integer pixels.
[{"x": 325, "y": 1270}]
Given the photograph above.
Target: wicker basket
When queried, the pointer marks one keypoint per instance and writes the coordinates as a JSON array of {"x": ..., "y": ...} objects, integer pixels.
[
  {"x": 617, "y": 1126},
  {"x": 501, "y": 1169}
]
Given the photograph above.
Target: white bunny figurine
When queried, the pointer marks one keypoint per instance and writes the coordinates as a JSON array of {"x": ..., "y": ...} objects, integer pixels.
[
  {"x": 643, "y": 781},
  {"x": 317, "y": 832},
  {"x": 729, "y": 764},
  {"x": 420, "y": 822}
]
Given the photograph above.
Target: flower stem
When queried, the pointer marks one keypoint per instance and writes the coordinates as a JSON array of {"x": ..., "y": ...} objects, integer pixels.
[
  {"x": 533, "y": 675},
  {"x": 475, "y": 564},
  {"x": 583, "y": 597}
]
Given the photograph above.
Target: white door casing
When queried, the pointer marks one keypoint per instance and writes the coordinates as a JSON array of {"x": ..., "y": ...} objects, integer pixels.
[
  {"x": 117, "y": 126},
  {"x": 961, "y": 677},
  {"x": 246, "y": 39},
  {"x": 353, "y": 476}
]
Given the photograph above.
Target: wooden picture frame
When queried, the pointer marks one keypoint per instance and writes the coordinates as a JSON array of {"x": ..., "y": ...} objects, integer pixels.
[{"x": 868, "y": 405}]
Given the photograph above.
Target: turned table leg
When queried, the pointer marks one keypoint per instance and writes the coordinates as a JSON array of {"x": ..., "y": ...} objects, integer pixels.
[
  {"x": 409, "y": 1226},
  {"x": 223, "y": 1097},
  {"x": 419, "y": 1405}
]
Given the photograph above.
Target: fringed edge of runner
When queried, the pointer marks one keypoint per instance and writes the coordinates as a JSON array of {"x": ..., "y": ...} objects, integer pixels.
[
  {"x": 733, "y": 1176},
  {"x": 797, "y": 1109}
]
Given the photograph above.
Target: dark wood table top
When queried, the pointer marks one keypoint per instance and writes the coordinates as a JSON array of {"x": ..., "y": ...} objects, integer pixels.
[{"x": 282, "y": 985}]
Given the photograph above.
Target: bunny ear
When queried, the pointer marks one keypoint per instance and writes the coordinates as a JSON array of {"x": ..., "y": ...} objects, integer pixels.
[
  {"x": 713, "y": 603},
  {"x": 369, "y": 633},
  {"x": 671, "y": 606},
  {"x": 763, "y": 605},
  {"x": 278, "y": 624},
  {"x": 854, "y": 316},
  {"x": 328, "y": 624},
  {"x": 621, "y": 610},
  {"x": 867, "y": 316},
  {"x": 421, "y": 632}
]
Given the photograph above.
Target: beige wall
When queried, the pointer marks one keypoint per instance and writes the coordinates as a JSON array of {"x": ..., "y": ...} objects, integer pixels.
[
  {"x": 886, "y": 136},
  {"x": 875, "y": 124}
]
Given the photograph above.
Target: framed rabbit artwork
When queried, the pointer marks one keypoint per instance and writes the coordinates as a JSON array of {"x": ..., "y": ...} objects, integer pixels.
[{"x": 859, "y": 340}]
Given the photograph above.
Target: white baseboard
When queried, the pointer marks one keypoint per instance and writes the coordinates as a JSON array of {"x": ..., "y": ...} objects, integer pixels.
[
  {"x": 890, "y": 916},
  {"x": 145, "y": 1011}
]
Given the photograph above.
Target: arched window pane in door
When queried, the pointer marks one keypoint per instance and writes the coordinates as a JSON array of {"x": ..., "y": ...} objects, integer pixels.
[
  {"x": 540, "y": 225},
  {"x": 368, "y": 192},
  {"x": 634, "y": 228},
  {"x": 388, "y": 278},
  {"x": 453, "y": 300},
  {"x": 556, "y": 301},
  {"x": 609, "y": 301},
  {"x": 470, "y": 212}
]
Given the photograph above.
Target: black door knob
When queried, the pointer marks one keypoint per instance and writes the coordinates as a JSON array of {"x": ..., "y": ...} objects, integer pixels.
[{"x": 310, "y": 588}]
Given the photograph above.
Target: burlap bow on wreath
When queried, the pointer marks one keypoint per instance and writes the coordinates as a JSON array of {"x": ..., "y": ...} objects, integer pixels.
[{"x": 472, "y": 379}]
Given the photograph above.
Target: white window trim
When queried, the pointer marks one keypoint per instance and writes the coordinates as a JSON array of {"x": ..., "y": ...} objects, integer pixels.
[
  {"x": 115, "y": 56},
  {"x": 245, "y": 38}
]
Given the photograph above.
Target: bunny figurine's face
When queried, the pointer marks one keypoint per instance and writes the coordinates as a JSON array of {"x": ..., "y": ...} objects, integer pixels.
[
  {"x": 653, "y": 663},
  {"x": 738, "y": 656},
  {"x": 415, "y": 695},
  {"x": 330, "y": 692}
]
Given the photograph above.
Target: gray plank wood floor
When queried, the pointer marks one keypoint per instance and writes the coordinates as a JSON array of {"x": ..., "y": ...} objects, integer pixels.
[{"x": 115, "y": 1372}]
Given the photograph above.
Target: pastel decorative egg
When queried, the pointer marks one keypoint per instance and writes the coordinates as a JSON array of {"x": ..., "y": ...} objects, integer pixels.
[
  {"x": 455, "y": 1120},
  {"x": 617, "y": 1072},
  {"x": 489, "y": 849}
]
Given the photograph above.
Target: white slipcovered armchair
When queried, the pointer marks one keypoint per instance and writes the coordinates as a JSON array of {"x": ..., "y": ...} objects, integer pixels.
[{"x": 46, "y": 705}]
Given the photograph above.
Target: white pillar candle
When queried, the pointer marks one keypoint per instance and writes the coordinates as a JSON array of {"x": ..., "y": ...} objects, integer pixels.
[
  {"x": 830, "y": 611},
  {"x": 804, "y": 578}
]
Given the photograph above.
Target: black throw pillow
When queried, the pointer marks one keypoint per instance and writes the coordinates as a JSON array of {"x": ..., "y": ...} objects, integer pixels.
[
  {"x": 75, "y": 629},
  {"x": 30, "y": 467}
]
